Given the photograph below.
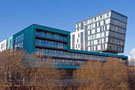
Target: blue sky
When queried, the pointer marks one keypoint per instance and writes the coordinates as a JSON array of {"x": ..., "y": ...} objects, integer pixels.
[{"x": 63, "y": 14}]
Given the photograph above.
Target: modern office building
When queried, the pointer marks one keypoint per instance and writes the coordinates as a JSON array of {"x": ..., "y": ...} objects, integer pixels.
[
  {"x": 102, "y": 33},
  {"x": 55, "y": 43}
]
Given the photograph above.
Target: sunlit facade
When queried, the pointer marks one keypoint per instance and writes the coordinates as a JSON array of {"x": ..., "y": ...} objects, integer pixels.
[
  {"x": 102, "y": 33},
  {"x": 47, "y": 42}
]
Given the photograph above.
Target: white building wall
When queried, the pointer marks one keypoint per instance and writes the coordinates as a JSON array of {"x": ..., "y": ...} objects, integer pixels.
[
  {"x": 77, "y": 42},
  {"x": 3, "y": 45}
]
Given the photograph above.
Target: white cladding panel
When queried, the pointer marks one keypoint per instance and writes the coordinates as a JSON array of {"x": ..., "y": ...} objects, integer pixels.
[{"x": 3, "y": 45}]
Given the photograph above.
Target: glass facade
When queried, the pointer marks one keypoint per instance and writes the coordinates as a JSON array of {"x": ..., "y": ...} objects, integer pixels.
[
  {"x": 51, "y": 35},
  {"x": 52, "y": 44},
  {"x": 19, "y": 41},
  {"x": 68, "y": 57},
  {"x": 11, "y": 44},
  {"x": 51, "y": 39}
]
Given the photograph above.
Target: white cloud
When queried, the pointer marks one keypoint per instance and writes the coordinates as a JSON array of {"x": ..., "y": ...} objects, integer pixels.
[
  {"x": 132, "y": 52},
  {"x": 131, "y": 58}
]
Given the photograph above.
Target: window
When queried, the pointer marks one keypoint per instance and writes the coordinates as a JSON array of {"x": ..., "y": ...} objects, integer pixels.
[
  {"x": 107, "y": 33},
  {"x": 59, "y": 53},
  {"x": 93, "y": 31},
  {"x": 94, "y": 25},
  {"x": 97, "y": 18},
  {"x": 100, "y": 16},
  {"x": 91, "y": 26},
  {"x": 82, "y": 24},
  {"x": 103, "y": 46},
  {"x": 99, "y": 41},
  {"x": 99, "y": 47},
  {"x": 3, "y": 45},
  {"x": 91, "y": 48},
  {"x": 94, "y": 20},
  {"x": 98, "y": 29},
  {"x": 108, "y": 26},
  {"x": 92, "y": 43},
  {"x": 98, "y": 35},
  {"x": 88, "y": 21},
  {"x": 88, "y": 43},
  {"x": 119, "y": 17},
  {"x": 101, "y": 23},
  {"x": 107, "y": 21},
  {"x": 19, "y": 41},
  {"x": 107, "y": 14},
  {"x": 93, "y": 36},
  {"x": 51, "y": 35},
  {"x": 106, "y": 39},
  {"x": 86, "y": 27},
  {"x": 106, "y": 45},
  {"x": 91, "y": 21},
  {"x": 102, "y": 28},
  {"x": 88, "y": 48},
  {"x": 102, "y": 40},
  {"x": 19, "y": 38},
  {"x": 97, "y": 24},
  {"x": 53, "y": 44},
  {"x": 95, "y": 42},
  {"x": 77, "y": 41},
  {"x": 76, "y": 26},
  {"x": 102, "y": 34},
  {"x": 95, "y": 48}
]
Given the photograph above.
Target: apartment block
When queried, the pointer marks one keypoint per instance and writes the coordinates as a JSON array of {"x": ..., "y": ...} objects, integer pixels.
[
  {"x": 47, "y": 42},
  {"x": 105, "y": 32}
]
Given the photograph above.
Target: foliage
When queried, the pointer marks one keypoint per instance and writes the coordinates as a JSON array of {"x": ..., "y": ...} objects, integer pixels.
[
  {"x": 96, "y": 75},
  {"x": 22, "y": 71},
  {"x": 19, "y": 69}
]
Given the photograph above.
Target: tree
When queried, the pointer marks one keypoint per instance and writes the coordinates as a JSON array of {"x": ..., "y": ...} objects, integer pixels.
[
  {"x": 115, "y": 75},
  {"x": 96, "y": 75},
  {"x": 89, "y": 75},
  {"x": 131, "y": 77},
  {"x": 19, "y": 70},
  {"x": 131, "y": 60},
  {"x": 42, "y": 75},
  {"x": 11, "y": 68}
]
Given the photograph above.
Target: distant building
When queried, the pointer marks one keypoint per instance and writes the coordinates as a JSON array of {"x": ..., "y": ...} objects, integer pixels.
[
  {"x": 55, "y": 43},
  {"x": 3, "y": 45},
  {"x": 102, "y": 33}
]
